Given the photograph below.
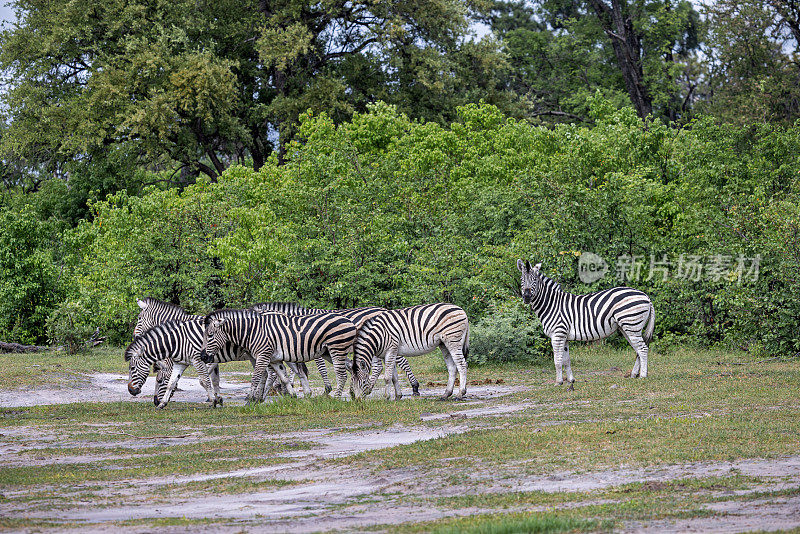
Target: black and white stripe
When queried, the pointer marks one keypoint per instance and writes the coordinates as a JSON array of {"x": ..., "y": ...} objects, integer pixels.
[
  {"x": 358, "y": 316},
  {"x": 178, "y": 342},
  {"x": 155, "y": 312},
  {"x": 274, "y": 337},
  {"x": 566, "y": 317},
  {"x": 412, "y": 332}
]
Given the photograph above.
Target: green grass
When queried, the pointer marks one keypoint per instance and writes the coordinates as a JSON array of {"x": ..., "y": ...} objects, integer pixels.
[{"x": 696, "y": 406}]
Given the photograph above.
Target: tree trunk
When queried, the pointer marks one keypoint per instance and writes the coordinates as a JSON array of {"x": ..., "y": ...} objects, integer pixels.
[{"x": 618, "y": 25}]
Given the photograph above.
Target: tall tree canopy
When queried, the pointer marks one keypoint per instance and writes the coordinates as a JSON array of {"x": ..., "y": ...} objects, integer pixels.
[
  {"x": 642, "y": 49},
  {"x": 195, "y": 86}
]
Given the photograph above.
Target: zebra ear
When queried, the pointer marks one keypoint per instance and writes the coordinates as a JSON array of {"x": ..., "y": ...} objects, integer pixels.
[
  {"x": 142, "y": 304},
  {"x": 217, "y": 322},
  {"x": 537, "y": 267},
  {"x": 520, "y": 266}
]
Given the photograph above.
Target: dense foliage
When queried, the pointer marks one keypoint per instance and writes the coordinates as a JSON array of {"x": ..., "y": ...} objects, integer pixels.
[{"x": 386, "y": 210}]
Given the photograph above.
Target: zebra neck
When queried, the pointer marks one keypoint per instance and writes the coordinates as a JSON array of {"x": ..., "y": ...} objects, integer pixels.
[{"x": 549, "y": 299}]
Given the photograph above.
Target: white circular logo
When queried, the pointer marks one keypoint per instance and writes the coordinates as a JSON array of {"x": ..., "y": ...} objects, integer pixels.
[{"x": 591, "y": 267}]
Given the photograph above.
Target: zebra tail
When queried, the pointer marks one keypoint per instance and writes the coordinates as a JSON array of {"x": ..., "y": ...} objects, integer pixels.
[
  {"x": 651, "y": 326},
  {"x": 465, "y": 347}
]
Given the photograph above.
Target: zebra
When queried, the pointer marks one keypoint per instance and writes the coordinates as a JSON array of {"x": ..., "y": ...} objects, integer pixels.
[
  {"x": 154, "y": 312},
  {"x": 272, "y": 338},
  {"x": 566, "y": 317},
  {"x": 412, "y": 332},
  {"x": 178, "y": 341},
  {"x": 358, "y": 316}
]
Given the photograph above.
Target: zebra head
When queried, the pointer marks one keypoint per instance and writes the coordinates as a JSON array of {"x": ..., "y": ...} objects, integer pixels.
[
  {"x": 531, "y": 281},
  {"x": 369, "y": 343},
  {"x": 214, "y": 338},
  {"x": 138, "y": 368},
  {"x": 144, "y": 321},
  {"x": 163, "y": 370}
]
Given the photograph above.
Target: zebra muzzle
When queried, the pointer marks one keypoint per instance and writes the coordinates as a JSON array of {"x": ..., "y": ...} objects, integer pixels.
[
  {"x": 133, "y": 390},
  {"x": 204, "y": 357}
]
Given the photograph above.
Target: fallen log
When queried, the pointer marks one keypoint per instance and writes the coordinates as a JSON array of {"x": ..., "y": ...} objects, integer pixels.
[{"x": 16, "y": 347}]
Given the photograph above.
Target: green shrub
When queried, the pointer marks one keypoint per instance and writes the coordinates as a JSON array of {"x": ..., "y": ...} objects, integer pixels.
[
  {"x": 511, "y": 333},
  {"x": 70, "y": 325}
]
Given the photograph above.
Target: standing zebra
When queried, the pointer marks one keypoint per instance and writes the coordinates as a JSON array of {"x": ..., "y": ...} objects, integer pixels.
[
  {"x": 566, "y": 317},
  {"x": 412, "y": 332},
  {"x": 358, "y": 316},
  {"x": 273, "y": 338}
]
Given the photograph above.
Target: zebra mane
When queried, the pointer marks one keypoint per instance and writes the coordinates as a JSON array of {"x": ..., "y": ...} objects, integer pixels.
[
  {"x": 140, "y": 343},
  {"x": 226, "y": 313},
  {"x": 280, "y": 306},
  {"x": 549, "y": 282}
]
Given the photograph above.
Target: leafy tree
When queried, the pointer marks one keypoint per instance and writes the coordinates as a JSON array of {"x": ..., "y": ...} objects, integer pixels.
[
  {"x": 565, "y": 50},
  {"x": 30, "y": 285},
  {"x": 191, "y": 88},
  {"x": 751, "y": 75}
]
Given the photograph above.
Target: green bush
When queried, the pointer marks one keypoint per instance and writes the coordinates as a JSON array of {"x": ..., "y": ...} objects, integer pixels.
[
  {"x": 70, "y": 326},
  {"x": 511, "y": 333},
  {"x": 30, "y": 285}
]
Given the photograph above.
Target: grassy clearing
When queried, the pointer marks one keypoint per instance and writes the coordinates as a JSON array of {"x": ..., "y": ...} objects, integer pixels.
[{"x": 696, "y": 406}]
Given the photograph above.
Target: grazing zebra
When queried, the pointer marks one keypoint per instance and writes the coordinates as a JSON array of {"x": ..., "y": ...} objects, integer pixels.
[
  {"x": 154, "y": 312},
  {"x": 273, "y": 338},
  {"x": 178, "y": 341},
  {"x": 566, "y": 317},
  {"x": 412, "y": 332},
  {"x": 358, "y": 316}
]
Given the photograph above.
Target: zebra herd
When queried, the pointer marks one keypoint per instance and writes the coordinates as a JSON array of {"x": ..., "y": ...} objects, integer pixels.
[
  {"x": 275, "y": 336},
  {"x": 271, "y": 335}
]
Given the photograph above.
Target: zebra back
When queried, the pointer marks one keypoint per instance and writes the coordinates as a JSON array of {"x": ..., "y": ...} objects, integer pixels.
[
  {"x": 358, "y": 316},
  {"x": 154, "y": 312},
  {"x": 296, "y": 337}
]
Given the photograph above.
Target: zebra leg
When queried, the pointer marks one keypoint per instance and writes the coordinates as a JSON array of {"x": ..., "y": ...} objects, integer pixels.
[
  {"x": 260, "y": 373},
  {"x": 570, "y": 378},
  {"x": 214, "y": 372},
  {"x": 457, "y": 355},
  {"x": 284, "y": 379},
  {"x": 177, "y": 371},
  {"x": 339, "y": 362},
  {"x": 641, "y": 348},
  {"x": 558, "y": 343},
  {"x": 323, "y": 372},
  {"x": 269, "y": 384},
  {"x": 377, "y": 367},
  {"x": 390, "y": 374},
  {"x": 205, "y": 379},
  {"x": 451, "y": 372},
  {"x": 298, "y": 371},
  {"x": 402, "y": 363}
]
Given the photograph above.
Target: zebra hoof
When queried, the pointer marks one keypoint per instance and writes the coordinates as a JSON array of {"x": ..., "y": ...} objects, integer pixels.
[
  {"x": 415, "y": 390},
  {"x": 571, "y": 386}
]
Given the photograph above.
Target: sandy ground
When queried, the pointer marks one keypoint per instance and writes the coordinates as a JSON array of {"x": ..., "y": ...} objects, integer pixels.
[{"x": 314, "y": 502}]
